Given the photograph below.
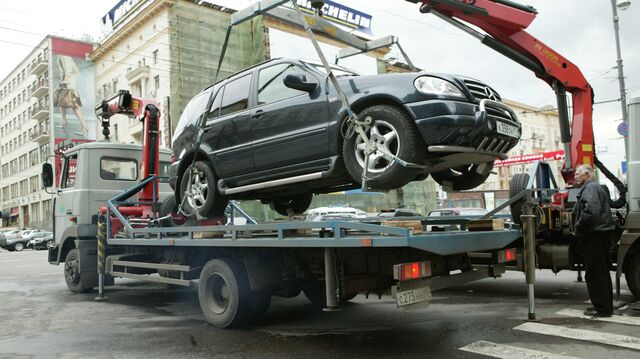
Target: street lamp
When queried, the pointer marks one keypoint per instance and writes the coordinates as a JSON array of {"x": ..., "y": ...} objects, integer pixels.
[{"x": 622, "y": 5}]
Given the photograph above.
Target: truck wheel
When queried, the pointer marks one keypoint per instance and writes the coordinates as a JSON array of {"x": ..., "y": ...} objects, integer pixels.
[
  {"x": 292, "y": 206},
  {"x": 208, "y": 201},
  {"x": 463, "y": 177},
  {"x": 517, "y": 184},
  {"x": 72, "y": 272},
  {"x": 224, "y": 294},
  {"x": 392, "y": 129},
  {"x": 18, "y": 247},
  {"x": 632, "y": 275},
  {"x": 261, "y": 301}
]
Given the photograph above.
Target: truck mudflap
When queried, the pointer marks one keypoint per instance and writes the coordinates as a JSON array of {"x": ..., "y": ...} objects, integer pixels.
[{"x": 88, "y": 252}]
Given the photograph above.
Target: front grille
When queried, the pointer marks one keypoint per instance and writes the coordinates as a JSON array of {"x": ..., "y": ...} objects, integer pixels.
[{"x": 481, "y": 91}]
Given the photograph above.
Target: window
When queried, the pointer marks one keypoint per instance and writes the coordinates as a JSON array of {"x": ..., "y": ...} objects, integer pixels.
[
  {"x": 24, "y": 190},
  {"x": 164, "y": 169},
  {"x": 155, "y": 57},
  {"x": 156, "y": 81},
  {"x": 68, "y": 179},
  {"x": 46, "y": 209},
  {"x": 34, "y": 183},
  {"x": 271, "y": 86},
  {"x": 236, "y": 95},
  {"x": 119, "y": 169}
]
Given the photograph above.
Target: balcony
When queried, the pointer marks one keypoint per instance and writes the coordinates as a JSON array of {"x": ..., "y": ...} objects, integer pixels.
[
  {"x": 137, "y": 74},
  {"x": 40, "y": 113},
  {"x": 135, "y": 129},
  {"x": 39, "y": 88},
  {"x": 38, "y": 66},
  {"x": 40, "y": 137}
]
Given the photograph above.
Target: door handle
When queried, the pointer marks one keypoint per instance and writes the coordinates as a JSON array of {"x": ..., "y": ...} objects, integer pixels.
[
  {"x": 69, "y": 211},
  {"x": 258, "y": 114}
]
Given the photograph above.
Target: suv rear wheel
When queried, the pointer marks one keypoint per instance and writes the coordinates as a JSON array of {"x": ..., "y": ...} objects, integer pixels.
[
  {"x": 392, "y": 129},
  {"x": 292, "y": 206},
  {"x": 463, "y": 177},
  {"x": 205, "y": 197}
]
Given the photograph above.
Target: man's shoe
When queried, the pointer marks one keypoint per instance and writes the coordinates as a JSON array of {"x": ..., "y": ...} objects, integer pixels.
[{"x": 592, "y": 312}]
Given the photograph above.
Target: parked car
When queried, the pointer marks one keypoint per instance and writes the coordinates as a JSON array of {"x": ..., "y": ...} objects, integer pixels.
[
  {"x": 43, "y": 240},
  {"x": 334, "y": 213},
  {"x": 399, "y": 212},
  {"x": 34, "y": 233},
  {"x": 277, "y": 132},
  {"x": 16, "y": 242},
  {"x": 442, "y": 212},
  {"x": 5, "y": 234}
]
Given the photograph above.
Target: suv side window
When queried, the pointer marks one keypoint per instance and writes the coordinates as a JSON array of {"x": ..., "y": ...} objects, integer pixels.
[
  {"x": 236, "y": 95},
  {"x": 271, "y": 86}
]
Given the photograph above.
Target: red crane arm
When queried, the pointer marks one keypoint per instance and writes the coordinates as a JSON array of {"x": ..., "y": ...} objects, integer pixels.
[{"x": 504, "y": 23}]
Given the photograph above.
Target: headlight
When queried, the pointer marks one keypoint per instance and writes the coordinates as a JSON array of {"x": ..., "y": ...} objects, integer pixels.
[{"x": 435, "y": 86}]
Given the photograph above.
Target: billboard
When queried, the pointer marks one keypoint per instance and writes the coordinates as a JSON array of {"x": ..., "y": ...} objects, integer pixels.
[
  {"x": 524, "y": 159},
  {"x": 72, "y": 91}
]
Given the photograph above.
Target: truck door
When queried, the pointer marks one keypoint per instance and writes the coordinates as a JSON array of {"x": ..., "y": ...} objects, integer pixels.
[
  {"x": 289, "y": 126},
  {"x": 63, "y": 210}
]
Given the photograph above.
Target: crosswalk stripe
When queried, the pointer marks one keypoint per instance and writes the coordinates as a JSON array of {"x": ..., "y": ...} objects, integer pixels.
[
  {"x": 613, "y": 319},
  {"x": 581, "y": 334},
  {"x": 510, "y": 352}
]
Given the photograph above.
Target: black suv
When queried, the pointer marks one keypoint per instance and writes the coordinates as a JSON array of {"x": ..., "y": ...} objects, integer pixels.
[{"x": 276, "y": 132}]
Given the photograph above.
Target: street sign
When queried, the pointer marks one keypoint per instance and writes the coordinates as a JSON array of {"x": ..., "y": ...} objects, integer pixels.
[
  {"x": 623, "y": 129},
  {"x": 624, "y": 167}
]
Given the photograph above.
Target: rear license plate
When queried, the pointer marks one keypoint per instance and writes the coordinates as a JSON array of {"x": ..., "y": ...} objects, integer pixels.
[
  {"x": 508, "y": 130},
  {"x": 413, "y": 296}
]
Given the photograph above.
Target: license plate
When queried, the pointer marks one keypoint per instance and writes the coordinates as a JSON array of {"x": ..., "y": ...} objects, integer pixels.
[
  {"x": 413, "y": 296},
  {"x": 508, "y": 130}
]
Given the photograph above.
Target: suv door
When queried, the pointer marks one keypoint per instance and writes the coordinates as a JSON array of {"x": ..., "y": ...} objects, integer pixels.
[
  {"x": 289, "y": 126},
  {"x": 228, "y": 129}
]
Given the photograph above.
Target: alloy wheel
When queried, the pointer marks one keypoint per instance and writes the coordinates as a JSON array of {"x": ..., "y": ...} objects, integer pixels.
[{"x": 386, "y": 136}]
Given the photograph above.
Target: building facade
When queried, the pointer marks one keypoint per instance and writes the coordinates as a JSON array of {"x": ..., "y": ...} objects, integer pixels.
[{"x": 43, "y": 103}]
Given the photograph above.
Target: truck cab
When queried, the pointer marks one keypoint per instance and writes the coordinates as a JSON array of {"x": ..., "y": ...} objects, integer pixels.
[{"x": 90, "y": 175}]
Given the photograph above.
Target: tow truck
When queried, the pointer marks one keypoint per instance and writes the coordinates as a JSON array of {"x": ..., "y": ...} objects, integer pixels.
[{"x": 237, "y": 269}]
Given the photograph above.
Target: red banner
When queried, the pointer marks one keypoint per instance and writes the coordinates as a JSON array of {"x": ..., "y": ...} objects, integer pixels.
[{"x": 519, "y": 160}]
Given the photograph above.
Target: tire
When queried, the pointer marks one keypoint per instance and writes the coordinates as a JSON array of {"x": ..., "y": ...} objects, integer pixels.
[
  {"x": 167, "y": 207},
  {"x": 395, "y": 130},
  {"x": 260, "y": 303},
  {"x": 18, "y": 246},
  {"x": 292, "y": 206},
  {"x": 517, "y": 184},
  {"x": 208, "y": 201},
  {"x": 463, "y": 177},
  {"x": 72, "y": 273},
  {"x": 632, "y": 275},
  {"x": 224, "y": 294},
  {"x": 316, "y": 294}
]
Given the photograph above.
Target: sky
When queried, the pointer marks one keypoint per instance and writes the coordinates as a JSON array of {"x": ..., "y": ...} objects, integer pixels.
[{"x": 580, "y": 30}]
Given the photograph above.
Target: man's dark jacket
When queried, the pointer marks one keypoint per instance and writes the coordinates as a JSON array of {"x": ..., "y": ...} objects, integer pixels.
[{"x": 592, "y": 212}]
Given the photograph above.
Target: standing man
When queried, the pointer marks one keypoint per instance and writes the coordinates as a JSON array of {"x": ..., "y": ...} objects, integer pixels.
[{"x": 593, "y": 223}]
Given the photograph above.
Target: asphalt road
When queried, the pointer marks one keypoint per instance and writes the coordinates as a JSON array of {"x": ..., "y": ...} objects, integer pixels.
[{"x": 40, "y": 318}]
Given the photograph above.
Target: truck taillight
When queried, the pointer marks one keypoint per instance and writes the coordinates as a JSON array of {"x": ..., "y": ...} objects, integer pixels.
[
  {"x": 507, "y": 255},
  {"x": 415, "y": 270}
]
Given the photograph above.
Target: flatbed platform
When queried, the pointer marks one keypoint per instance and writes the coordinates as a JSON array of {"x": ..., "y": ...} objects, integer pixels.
[{"x": 329, "y": 234}]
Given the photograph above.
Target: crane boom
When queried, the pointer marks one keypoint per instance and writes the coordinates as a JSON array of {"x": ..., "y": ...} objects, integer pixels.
[{"x": 504, "y": 23}]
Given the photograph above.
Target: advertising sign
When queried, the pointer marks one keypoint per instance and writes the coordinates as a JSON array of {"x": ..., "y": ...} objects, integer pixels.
[
  {"x": 119, "y": 13},
  {"x": 341, "y": 15},
  {"x": 72, "y": 91},
  {"x": 520, "y": 160}
]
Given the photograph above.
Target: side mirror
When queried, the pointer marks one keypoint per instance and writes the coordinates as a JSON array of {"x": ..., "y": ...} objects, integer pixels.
[
  {"x": 298, "y": 81},
  {"x": 47, "y": 175}
]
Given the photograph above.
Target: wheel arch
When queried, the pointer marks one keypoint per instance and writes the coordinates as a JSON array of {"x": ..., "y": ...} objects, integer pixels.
[
  {"x": 362, "y": 103},
  {"x": 185, "y": 162}
]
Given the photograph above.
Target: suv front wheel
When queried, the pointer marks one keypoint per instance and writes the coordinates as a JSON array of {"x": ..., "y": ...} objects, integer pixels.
[
  {"x": 390, "y": 128},
  {"x": 204, "y": 194}
]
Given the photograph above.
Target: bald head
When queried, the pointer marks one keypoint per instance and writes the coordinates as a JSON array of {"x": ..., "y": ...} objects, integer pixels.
[{"x": 583, "y": 174}]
